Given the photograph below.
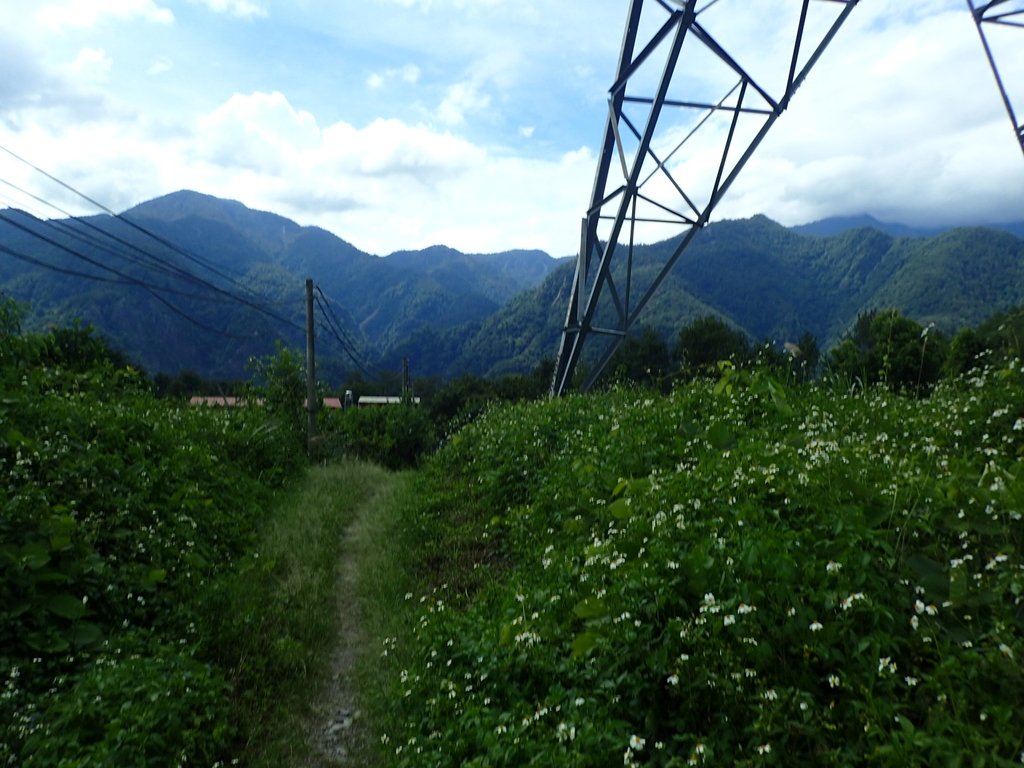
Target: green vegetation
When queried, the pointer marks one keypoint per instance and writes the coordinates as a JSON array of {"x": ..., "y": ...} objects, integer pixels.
[
  {"x": 273, "y": 621},
  {"x": 125, "y": 523},
  {"x": 739, "y": 573},
  {"x": 380, "y": 302},
  {"x": 887, "y": 348},
  {"x": 396, "y": 437},
  {"x": 488, "y": 315},
  {"x": 748, "y": 569}
]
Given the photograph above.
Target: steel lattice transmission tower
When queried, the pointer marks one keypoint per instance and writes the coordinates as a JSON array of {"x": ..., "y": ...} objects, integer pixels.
[
  {"x": 674, "y": 55},
  {"x": 1001, "y": 17}
]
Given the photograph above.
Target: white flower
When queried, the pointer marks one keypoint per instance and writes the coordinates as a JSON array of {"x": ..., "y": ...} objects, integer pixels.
[
  {"x": 764, "y": 749},
  {"x": 816, "y": 626},
  {"x": 672, "y": 680},
  {"x": 636, "y": 743},
  {"x": 833, "y": 567},
  {"x": 846, "y": 602},
  {"x": 833, "y": 681},
  {"x": 728, "y": 620}
]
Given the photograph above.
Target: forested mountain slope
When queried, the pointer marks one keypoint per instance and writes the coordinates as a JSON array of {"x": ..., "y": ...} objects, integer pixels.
[{"x": 451, "y": 312}]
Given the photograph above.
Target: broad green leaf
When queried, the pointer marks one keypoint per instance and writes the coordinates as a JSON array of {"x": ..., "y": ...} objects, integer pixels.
[
  {"x": 84, "y": 633},
  {"x": 65, "y": 605},
  {"x": 584, "y": 643},
  {"x": 14, "y": 437},
  {"x": 721, "y": 437},
  {"x": 905, "y": 724},
  {"x": 959, "y": 585},
  {"x": 931, "y": 575},
  {"x": 34, "y": 555},
  {"x": 620, "y": 509},
  {"x": 591, "y": 608},
  {"x": 47, "y": 642}
]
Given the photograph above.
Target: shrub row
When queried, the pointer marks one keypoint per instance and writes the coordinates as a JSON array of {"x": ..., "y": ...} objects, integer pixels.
[
  {"x": 117, "y": 514},
  {"x": 738, "y": 573}
]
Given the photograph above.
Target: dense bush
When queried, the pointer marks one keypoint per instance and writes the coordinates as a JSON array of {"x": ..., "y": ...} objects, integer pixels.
[
  {"x": 155, "y": 707},
  {"x": 737, "y": 574},
  {"x": 886, "y": 347},
  {"x": 396, "y": 437},
  {"x": 116, "y": 511}
]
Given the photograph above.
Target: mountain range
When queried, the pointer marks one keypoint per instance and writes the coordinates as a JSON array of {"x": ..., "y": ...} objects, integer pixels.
[{"x": 193, "y": 282}]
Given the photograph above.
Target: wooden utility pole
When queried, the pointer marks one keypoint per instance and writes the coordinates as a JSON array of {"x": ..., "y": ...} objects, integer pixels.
[{"x": 310, "y": 365}]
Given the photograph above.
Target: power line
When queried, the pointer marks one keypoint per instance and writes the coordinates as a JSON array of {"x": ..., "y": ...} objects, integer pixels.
[
  {"x": 350, "y": 341},
  {"x": 259, "y": 307},
  {"x": 345, "y": 346},
  {"x": 159, "y": 263},
  {"x": 126, "y": 278},
  {"x": 99, "y": 278},
  {"x": 54, "y": 268},
  {"x": 150, "y": 259},
  {"x": 340, "y": 325},
  {"x": 174, "y": 247}
]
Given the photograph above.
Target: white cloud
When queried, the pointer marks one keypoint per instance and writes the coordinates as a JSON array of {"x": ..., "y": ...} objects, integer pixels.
[
  {"x": 89, "y": 13},
  {"x": 901, "y": 119},
  {"x": 160, "y": 66},
  {"x": 461, "y": 99},
  {"x": 430, "y": 5},
  {"x": 875, "y": 129},
  {"x": 92, "y": 64},
  {"x": 258, "y": 132},
  {"x": 409, "y": 74},
  {"x": 243, "y": 9}
]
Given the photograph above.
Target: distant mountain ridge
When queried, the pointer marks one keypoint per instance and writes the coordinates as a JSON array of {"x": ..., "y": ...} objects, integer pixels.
[
  {"x": 260, "y": 256},
  {"x": 774, "y": 284},
  {"x": 836, "y": 225},
  {"x": 451, "y": 312}
]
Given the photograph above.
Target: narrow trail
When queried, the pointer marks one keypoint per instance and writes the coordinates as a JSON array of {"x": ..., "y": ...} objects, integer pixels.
[{"x": 336, "y": 730}]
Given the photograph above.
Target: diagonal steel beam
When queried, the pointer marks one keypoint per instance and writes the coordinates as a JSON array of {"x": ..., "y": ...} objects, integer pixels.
[
  {"x": 1006, "y": 13},
  {"x": 594, "y": 289}
]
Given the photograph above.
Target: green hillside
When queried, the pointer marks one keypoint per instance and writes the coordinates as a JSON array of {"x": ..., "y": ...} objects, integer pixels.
[
  {"x": 452, "y": 313},
  {"x": 775, "y": 284},
  {"x": 167, "y": 276}
]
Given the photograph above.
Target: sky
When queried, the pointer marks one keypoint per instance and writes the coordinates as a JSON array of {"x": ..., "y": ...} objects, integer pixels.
[{"x": 400, "y": 124}]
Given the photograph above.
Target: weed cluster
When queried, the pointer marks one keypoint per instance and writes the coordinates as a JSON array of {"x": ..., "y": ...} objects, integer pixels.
[
  {"x": 744, "y": 574},
  {"x": 118, "y": 513}
]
